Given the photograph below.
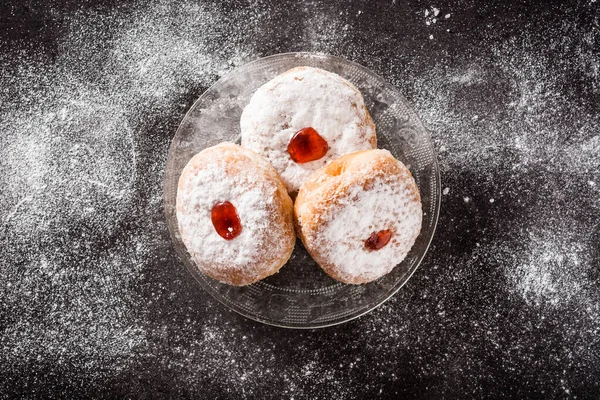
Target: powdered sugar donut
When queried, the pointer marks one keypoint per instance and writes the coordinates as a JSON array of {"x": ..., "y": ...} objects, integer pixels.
[
  {"x": 231, "y": 207},
  {"x": 359, "y": 216},
  {"x": 301, "y": 98}
]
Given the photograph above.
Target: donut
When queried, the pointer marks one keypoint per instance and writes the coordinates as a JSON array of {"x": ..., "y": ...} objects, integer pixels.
[
  {"x": 359, "y": 216},
  {"x": 303, "y": 119},
  {"x": 231, "y": 207}
]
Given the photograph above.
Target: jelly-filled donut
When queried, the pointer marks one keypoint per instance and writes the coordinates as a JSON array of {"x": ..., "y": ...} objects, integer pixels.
[
  {"x": 303, "y": 119},
  {"x": 359, "y": 216},
  {"x": 235, "y": 216}
]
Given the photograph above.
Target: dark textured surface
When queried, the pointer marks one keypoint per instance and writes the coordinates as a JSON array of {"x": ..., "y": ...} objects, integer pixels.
[{"x": 505, "y": 305}]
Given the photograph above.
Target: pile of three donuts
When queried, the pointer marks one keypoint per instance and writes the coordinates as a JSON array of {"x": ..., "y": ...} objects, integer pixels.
[{"x": 338, "y": 209}]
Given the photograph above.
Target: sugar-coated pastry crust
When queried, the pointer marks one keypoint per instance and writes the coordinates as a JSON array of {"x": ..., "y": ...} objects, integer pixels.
[
  {"x": 306, "y": 97},
  {"x": 228, "y": 172},
  {"x": 343, "y": 203}
]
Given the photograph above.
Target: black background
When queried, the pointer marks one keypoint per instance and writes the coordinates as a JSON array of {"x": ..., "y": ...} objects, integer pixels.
[{"x": 457, "y": 329}]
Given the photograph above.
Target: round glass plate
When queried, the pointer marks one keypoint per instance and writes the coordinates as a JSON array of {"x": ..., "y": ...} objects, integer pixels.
[{"x": 301, "y": 295}]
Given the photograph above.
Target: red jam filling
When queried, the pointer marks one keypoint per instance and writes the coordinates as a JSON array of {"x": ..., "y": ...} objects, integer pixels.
[
  {"x": 225, "y": 220},
  {"x": 307, "y": 145},
  {"x": 378, "y": 239}
]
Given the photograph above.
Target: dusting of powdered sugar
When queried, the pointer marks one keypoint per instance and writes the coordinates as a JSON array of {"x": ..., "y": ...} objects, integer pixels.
[
  {"x": 520, "y": 145},
  {"x": 539, "y": 160},
  {"x": 301, "y": 98},
  {"x": 95, "y": 303},
  {"x": 84, "y": 139}
]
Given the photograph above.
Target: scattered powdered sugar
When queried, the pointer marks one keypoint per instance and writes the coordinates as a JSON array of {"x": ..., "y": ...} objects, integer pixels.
[
  {"x": 506, "y": 301},
  {"x": 532, "y": 151},
  {"x": 83, "y": 144},
  {"x": 433, "y": 17},
  {"x": 545, "y": 275},
  {"x": 69, "y": 174},
  {"x": 519, "y": 138},
  {"x": 305, "y": 97}
]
